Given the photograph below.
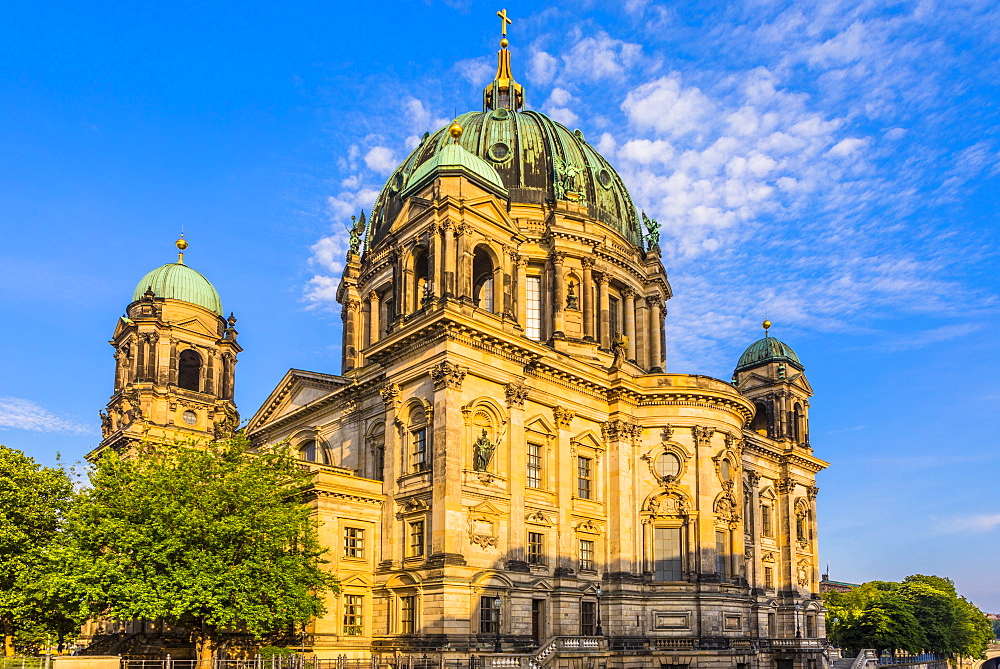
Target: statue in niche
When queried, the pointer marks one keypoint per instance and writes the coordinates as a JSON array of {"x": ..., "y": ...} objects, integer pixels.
[
  {"x": 572, "y": 301},
  {"x": 652, "y": 236},
  {"x": 483, "y": 452},
  {"x": 619, "y": 348}
]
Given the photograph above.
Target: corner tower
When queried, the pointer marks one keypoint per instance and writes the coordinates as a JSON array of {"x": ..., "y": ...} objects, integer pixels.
[{"x": 175, "y": 360}]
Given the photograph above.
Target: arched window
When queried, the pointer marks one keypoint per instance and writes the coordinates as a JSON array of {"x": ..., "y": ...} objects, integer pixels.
[
  {"x": 798, "y": 424},
  {"x": 760, "y": 421},
  {"x": 310, "y": 452},
  {"x": 419, "y": 448},
  {"x": 189, "y": 370},
  {"x": 482, "y": 280},
  {"x": 421, "y": 277},
  {"x": 376, "y": 449}
]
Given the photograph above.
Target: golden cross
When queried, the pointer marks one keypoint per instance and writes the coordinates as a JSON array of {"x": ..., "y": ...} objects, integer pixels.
[{"x": 504, "y": 21}]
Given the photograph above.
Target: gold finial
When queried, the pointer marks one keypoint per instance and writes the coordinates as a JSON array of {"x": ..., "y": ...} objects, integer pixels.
[
  {"x": 455, "y": 131},
  {"x": 504, "y": 22},
  {"x": 766, "y": 325},
  {"x": 181, "y": 245}
]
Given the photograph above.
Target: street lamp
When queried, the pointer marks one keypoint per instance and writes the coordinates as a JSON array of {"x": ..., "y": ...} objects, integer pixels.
[
  {"x": 798, "y": 630},
  {"x": 496, "y": 607},
  {"x": 600, "y": 632}
]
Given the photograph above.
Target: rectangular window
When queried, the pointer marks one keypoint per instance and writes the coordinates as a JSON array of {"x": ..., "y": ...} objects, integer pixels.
[
  {"x": 765, "y": 520},
  {"x": 418, "y": 456},
  {"x": 489, "y": 615},
  {"x": 614, "y": 308},
  {"x": 533, "y": 312},
  {"x": 588, "y": 618},
  {"x": 721, "y": 551},
  {"x": 810, "y": 627},
  {"x": 769, "y": 578},
  {"x": 536, "y": 548},
  {"x": 586, "y": 555},
  {"x": 772, "y": 625},
  {"x": 667, "y": 554},
  {"x": 389, "y": 307},
  {"x": 416, "y": 538},
  {"x": 354, "y": 615},
  {"x": 534, "y": 466},
  {"x": 583, "y": 477},
  {"x": 407, "y": 614},
  {"x": 354, "y": 542}
]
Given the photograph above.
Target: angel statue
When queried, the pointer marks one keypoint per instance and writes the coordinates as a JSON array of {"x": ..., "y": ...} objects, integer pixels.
[
  {"x": 652, "y": 236},
  {"x": 356, "y": 230}
]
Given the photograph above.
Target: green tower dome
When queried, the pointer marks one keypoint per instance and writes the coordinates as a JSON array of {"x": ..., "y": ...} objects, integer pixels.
[
  {"x": 177, "y": 281},
  {"x": 768, "y": 350}
]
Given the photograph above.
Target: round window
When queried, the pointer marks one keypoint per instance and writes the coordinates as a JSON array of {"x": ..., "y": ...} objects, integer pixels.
[
  {"x": 668, "y": 465},
  {"x": 190, "y": 417},
  {"x": 604, "y": 178},
  {"x": 499, "y": 152}
]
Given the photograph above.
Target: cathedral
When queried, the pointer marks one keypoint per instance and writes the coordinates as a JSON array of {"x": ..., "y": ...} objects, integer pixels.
[{"x": 504, "y": 468}]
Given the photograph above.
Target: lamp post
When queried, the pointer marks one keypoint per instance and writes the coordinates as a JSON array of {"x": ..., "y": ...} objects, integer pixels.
[
  {"x": 496, "y": 607},
  {"x": 600, "y": 632},
  {"x": 798, "y": 630}
]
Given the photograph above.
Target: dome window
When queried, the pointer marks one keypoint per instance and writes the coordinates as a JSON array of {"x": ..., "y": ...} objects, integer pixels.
[
  {"x": 500, "y": 114},
  {"x": 668, "y": 466},
  {"x": 499, "y": 152},
  {"x": 604, "y": 178}
]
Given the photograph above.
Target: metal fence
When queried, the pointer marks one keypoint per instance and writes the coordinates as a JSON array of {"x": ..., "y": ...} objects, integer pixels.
[{"x": 22, "y": 662}]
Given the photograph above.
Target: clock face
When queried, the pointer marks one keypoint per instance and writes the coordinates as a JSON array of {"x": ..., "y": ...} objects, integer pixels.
[
  {"x": 668, "y": 464},
  {"x": 190, "y": 417}
]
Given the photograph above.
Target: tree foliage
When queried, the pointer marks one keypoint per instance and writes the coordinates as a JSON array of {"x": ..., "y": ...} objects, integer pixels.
[
  {"x": 33, "y": 502},
  {"x": 920, "y": 614},
  {"x": 213, "y": 538}
]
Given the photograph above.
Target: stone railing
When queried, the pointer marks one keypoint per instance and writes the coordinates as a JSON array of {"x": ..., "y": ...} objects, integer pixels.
[{"x": 541, "y": 658}]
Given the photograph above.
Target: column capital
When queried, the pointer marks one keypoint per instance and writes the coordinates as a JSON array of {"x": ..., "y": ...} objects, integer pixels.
[
  {"x": 589, "y": 263},
  {"x": 628, "y": 292},
  {"x": 373, "y": 296},
  {"x": 558, "y": 257},
  {"x": 601, "y": 278}
]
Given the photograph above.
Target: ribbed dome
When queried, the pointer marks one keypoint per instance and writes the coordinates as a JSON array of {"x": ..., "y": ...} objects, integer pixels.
[
  {"x": 177, "y": 281},
  {"x": 767, "y": 350},
  {"x": 538, "y": 161},
  {"x": 453, "y": 156}
]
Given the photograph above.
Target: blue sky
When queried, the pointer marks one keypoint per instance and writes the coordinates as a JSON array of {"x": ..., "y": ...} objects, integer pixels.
[{"x": 835, "y": 165}]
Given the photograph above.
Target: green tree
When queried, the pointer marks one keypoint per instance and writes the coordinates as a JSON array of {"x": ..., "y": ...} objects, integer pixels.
[
  {"x": 33, "y": 501},
  {"x": 213, "y": 538},
  {"x": 885, "y": 623}
]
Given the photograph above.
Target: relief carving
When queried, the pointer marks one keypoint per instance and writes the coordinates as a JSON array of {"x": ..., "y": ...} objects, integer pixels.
[
  {"x": 389, "y": 393},
  {"x": 448, "y": 375},
  {"x": 563, "y": 417},
  {"x": 516, "y": 393}
]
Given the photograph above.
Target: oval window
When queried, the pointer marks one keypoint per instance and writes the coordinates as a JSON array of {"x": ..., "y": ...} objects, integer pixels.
[
  {"x": 499, "y": 152},
  {"x": 501, "y": 114},
  {"x": 668, "y": 465},
  {"x": 726, "y": 470},
  {"x": 190, "y": 417},
  {"x": 604, "y": 178}
]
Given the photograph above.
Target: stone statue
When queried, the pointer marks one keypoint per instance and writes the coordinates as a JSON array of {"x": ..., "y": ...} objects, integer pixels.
[
  {"x": 356, "y": 231},
  {"x": 572, "y": 301},
  {"x": 652, "y": 236},
  {"x": 619, "y": 347},
  {"x": 483, "y": 450}
]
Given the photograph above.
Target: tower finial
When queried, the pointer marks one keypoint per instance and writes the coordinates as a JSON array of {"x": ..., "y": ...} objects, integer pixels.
[
  {"x": 766, "y": 325},
  {"x": 503, "y": 92},
  {"x": 181, "y": 244},
  {"x": 455, "y": 131}
]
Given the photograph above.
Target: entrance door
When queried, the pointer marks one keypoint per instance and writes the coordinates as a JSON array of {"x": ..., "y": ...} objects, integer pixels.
[{"x": 537, "y": 619}]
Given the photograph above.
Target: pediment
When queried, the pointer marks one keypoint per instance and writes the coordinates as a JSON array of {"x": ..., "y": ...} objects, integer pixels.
[
  {"x": 588, "y": 439},
  {"x": 356, "y": 580},
  {"x": 195, "y": 325},
  {"x": 542, "y": 584},
  {"x": 539, "y": 425},
  {"x": 484, "y": 509},
  {"x": 296, "y": 390}
]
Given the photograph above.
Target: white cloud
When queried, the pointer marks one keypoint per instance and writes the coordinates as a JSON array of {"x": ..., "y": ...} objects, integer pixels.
[
  {"x": 976, "y": 524},
  {"x": 22, "y": 414},
  {"x": 542, "y": 67},
  {"x": 381, "y": 159},
  {"x": 556, "y": 107},
  {"x": 477, "y": 71},
  {"x": 664, "y": 106}
]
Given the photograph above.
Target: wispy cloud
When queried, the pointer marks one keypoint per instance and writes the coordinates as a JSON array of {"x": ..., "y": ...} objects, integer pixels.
[
  {"x": 21, "y": 414},
  {"x": 975, "y": 524}
]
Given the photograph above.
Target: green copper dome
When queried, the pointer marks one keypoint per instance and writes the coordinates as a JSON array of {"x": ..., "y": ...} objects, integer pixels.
[
  {"x": 177, "y": 281},
  {"x": 453, "y": 156},
  {"x": 537, "y": 160},
  {"x": 768, "y": 350}
]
